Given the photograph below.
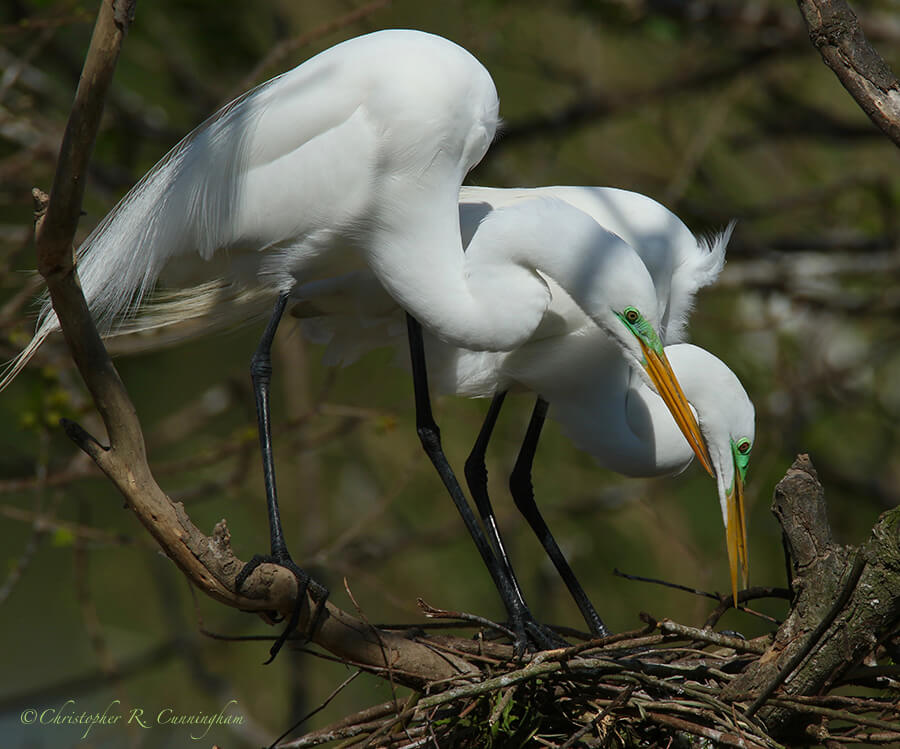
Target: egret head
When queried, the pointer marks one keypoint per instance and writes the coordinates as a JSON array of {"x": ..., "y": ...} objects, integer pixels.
[
  {"x": 634, "y": 325},
  {"x": 728, "y": 426},
  {"x": 727, "y": 423},
  {"x": 735, "y": 519}
]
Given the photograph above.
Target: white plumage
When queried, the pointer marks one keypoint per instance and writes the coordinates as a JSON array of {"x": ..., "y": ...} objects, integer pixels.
[
  {"x": 603, "y": 405},
  {"x": 339, "y": 181},
  {"x": 352, "y": 159},
  {"x": 350, "y": 162}
]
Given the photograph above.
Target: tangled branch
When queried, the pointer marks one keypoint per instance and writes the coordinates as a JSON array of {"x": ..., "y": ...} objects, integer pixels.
[{"x": 635, "y": 688}]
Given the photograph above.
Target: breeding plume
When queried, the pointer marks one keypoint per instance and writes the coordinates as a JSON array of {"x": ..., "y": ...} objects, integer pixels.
[{"x": 350, "y": 165}]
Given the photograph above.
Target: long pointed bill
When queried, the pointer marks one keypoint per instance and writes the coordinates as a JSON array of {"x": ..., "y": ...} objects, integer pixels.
[
  {"x": 660, "y": 371},
  {"x": 736, "y": 535}
]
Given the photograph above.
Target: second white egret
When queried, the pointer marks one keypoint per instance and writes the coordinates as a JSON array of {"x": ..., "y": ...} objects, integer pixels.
[{"x": 576, "y": 367}]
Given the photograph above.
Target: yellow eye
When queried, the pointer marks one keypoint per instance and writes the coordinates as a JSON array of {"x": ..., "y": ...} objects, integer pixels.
[{"x": 632, "y": 315}]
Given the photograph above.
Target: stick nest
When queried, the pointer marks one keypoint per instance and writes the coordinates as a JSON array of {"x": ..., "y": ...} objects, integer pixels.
[{"x": 650, "y": 687}]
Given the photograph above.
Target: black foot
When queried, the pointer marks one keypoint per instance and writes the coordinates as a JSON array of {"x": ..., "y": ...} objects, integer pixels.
[
  {"x": 532, "y": 636},
  {"x": 305, "y": 584}
]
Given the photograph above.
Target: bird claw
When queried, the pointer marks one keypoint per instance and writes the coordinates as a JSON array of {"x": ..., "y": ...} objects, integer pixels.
[
  {"x": 305, "y": 584},
  {"x": 545, "y": 637},
  {"x": 531, "y": 636}
]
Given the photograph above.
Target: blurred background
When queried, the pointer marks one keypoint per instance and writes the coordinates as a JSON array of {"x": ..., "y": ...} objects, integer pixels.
[{"x": 721, "y": 110}]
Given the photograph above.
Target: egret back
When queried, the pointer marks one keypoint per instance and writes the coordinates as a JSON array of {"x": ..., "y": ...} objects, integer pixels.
[
  {"x": 291, "y": 178},
  {"x": 679, "y": 262}
]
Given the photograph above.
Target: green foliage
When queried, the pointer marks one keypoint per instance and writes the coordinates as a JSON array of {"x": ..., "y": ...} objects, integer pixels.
[
  {"x": 48, "y": 402},
  {"x": 62, "y": 537},
  {"x": 506, "y": 719}
]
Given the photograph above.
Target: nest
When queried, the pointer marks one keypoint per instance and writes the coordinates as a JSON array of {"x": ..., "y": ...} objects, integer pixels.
[
  {"x": 664, "y": 685},
  {"x": 826, "y": 675}
]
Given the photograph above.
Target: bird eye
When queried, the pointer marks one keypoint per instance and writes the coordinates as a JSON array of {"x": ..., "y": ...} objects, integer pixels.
[
  {"x": 632, "y": 315},
  {"x": 743, "y": 447}
]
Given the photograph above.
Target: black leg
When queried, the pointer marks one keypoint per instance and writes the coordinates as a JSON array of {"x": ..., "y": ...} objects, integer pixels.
[
  {"x": 476, "y": 478},
  {"x": 523, "y": 494},
  {"x": 261, "y": 376},
  {"x": 430, "y": 436}
]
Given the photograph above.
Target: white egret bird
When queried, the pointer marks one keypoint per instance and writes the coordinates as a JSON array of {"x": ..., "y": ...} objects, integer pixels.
[
  {"x": 680, "y": 265},
  {"x": 575, "y": 366},
  {"x": 352, "y": 163}
]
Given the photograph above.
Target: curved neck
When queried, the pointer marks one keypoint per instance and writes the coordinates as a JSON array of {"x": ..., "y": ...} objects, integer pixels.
[
  {"x": 618, "y": 419},
  {"x": 611, "y": 414},
  {"x": 493, "y": 296}
]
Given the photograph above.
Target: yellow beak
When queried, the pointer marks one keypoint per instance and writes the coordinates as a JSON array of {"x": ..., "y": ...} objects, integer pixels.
[
  {"x": 736, "y": 535},
  {"x": 660, "y": 371}
]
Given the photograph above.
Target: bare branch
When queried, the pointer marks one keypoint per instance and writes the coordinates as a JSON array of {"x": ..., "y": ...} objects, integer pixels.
[{"x": 835, "y": 32}]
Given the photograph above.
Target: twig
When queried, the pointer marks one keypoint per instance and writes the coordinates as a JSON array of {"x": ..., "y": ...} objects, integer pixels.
[
  {"x": 748, "y": 594},
  {"x": 742, "y": 646},
  {"x": 501, "y": 705},
  {"x": 666, "y": 584},
  {"x": 337, "y": 690},
  {"x": 725, "y": 601},
  {"x": 842, "y": 715},
  {"x": 384, "y": 648},
  {"x": 432, "y": 611},
  {"x": 45, "y": 522},
  {"x": 618, "y": 702},
  {"x": 287, "y": 47},
  {"x": 722, "y": 738}
]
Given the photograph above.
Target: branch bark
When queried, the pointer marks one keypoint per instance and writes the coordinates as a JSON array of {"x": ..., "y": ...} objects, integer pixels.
[{"x": 836, "y": 33}]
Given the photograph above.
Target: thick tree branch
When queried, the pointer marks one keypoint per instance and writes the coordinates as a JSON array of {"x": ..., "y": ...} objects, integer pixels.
[
  {"x": 57, "y": 231},
  {"x": 845, "y": 601},
  {"x": 835, "y": 32}
]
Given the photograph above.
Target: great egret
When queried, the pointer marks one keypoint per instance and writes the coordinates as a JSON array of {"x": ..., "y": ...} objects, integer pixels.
[
  {"x": 680, "y": 265},
  {"x": 574, "y": 365},
  {"x": 352, "y": 162}
]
